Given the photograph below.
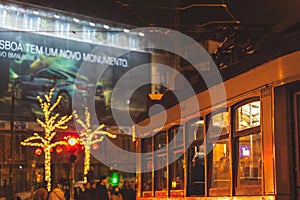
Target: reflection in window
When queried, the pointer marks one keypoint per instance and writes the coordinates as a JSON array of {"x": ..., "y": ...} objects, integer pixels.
[
  {"x": 160, "y": 162},
  {"x": 219, "y": 124},
  {"x": 176, "y": 151},
  {"x": 133, "y": 42},
  {"x": 176, "y": 171},
  {"x": 220, "y": 164},
  {"x": 196, "y": 166},
  {"x": 147, "y": 164},
  {"x": 62, "y": 28},
  {"x": 248, "y": 148},
  {"x": 113, "y": 39},
  {"x": 176, "y": 137},
  {"x": 31, "y": 22},
  {"x": 88, "y": 33},
  {"x": 45, "y": 22},
  {"x": 76, "y": 30},
  {"x": 161, "y": 174},
  {"x": 249, "y": 160},
  {"x": 10, "y": 18},
  {"x": 160, "y": 140},
  {"x": 197, "y": 170},
  {"x": 195, "y": 130},
  {"x": 248, "y": 116},
  {"x": 3, "y": 16}
]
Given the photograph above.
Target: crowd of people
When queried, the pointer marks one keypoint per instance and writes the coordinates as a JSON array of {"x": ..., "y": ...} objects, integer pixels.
[{"x": 92, "y": 191}]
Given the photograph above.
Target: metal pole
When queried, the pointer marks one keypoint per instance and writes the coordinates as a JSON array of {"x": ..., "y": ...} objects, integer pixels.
[
  {"x": 33, "y": 165},
  {"x": 11, "y": 136},
  {"x": 72, "y": 175},
  {"x": 72, "y": 180}
]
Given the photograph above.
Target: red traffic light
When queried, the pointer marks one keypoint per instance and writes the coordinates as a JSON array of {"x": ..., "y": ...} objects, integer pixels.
[{"x": 72, "y": 141}]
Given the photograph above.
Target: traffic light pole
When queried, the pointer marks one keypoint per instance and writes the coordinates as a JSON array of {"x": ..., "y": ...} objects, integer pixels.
[
  {"x": 72, "y": 145},
  {"x": 72, "y": 180},
  {"x": 72, "y": 175},
  {"x": 12, "y": 112}
]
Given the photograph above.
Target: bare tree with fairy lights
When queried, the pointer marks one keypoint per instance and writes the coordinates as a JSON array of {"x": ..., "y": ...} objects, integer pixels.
[
  {"x": 89, "y": 137},
  {"x": 52, "y": 122}
]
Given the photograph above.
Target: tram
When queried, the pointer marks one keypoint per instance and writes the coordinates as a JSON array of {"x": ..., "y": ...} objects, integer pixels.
[{"x": 255, "y": 156}]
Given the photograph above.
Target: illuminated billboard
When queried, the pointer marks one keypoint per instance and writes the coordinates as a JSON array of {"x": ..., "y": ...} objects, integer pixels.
[{"x": 31, "y": 64}]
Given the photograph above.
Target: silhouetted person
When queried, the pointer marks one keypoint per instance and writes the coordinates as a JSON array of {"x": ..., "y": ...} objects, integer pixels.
[
  {"x": 127, "y": 191},
  {"x": 115, "y": 194},
  {"x": 57, "y": 193},
  {"x": 198, "y": 177},
  {"x": 42, "y": 192},
  {"x": 101, "y": 190},
  {"x": 87, "y": 193},
  {"x": 93, "y": 190}
]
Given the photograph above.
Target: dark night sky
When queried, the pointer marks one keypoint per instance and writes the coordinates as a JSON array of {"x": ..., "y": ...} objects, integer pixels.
[{"x": 164, "y": 13}]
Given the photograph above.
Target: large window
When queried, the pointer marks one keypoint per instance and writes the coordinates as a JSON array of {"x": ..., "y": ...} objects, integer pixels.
[
  {"x": 147, "y": 164},
  {"x": 133, "y": 42},
  {"x": 11, "y": 18},
  {"x": 220, "y": 162},
  {"x": 218, "y": 150},
  {"x": 248, "y": 149},
  {"x": 31, "y": 22},
  {"x": 62, "y": 28},
  {"x": 88, "y": 33},
  {"x": 160, "y": 163},
  {"x": 247, "y": 116},
  {"x": 66, "y": 26},
  {"x": 196, "y": 164},
  {"x": 176, "y": 153}
]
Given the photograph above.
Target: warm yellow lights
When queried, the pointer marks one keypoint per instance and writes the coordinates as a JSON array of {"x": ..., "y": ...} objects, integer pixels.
[
  {"x": 50, "y": 124},
  {"x": 174, "y": 184},
  {"x": 133, "y": 134},
  {"x": 155, "y": 97},
  {"x": 89, "y": 137}
]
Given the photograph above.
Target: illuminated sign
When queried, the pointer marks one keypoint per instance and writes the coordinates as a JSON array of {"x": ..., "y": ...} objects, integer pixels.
[
  {"x": 39, "y": 61},
  {"x": 244, "y": 151}
]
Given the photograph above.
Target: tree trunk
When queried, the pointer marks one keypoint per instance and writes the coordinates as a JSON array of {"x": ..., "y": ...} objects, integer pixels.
[
  {"x": 48, "y": 168},
  {"x": 87, "y": 160}
]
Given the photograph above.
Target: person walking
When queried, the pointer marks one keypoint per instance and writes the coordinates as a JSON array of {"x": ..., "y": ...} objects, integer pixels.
[
  {"x": 116, "y": 195},
  {"x": 87, "y": 193},
  {"x": 93, "y": 190},
  {"x": 101, "y": 190},
  {"x": 57, "y": 193},
  {"x": 127, "y": 192},
  {"x": 42, "y": 193}
]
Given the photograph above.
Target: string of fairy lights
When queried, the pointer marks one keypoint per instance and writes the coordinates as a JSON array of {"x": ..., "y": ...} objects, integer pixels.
[
  {"x": 89, "y": 137},
  {"x": 52, "y": 122}
]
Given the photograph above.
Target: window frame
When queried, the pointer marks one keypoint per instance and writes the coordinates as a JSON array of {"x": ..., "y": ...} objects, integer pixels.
[
  {"x": 161, "y": 192},
  {"x": 196, "y": 143},
  {"x": 218, "y": 191},
  {"x": 236, "y": 134},
  {"x": 233, "y": 116},
  {"x": 177, "y": 192},
  {"x": 148, "y": 193}
]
